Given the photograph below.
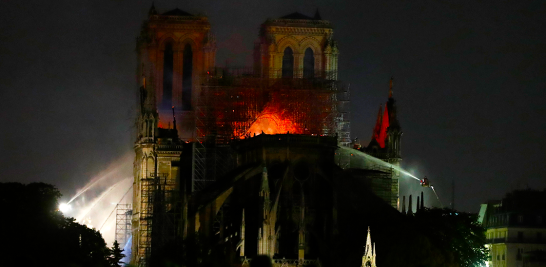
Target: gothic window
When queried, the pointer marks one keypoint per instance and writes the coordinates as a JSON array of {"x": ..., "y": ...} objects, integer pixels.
[
  {"x": 166, "y": 101},
  {"x": 309, "y": 64},
  {"x": 187, "y": 73},
  {"x": 288, "y": 63}
]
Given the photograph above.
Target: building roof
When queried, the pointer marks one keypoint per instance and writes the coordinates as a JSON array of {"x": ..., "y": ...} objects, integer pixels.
[{"x": 176, "y": 12}]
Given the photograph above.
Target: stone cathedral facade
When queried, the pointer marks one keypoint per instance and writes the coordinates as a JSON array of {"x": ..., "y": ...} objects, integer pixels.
[{"x": 245, "y": 161}]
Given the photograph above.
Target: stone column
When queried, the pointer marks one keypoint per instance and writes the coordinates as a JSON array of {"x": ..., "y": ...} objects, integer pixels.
[{"x": 298, "y": 65}]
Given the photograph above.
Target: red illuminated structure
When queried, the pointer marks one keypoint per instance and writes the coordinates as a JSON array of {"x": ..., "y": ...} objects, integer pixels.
[
  {"x": 387, "y": 133},
  {"x": 235, "y": 107}
]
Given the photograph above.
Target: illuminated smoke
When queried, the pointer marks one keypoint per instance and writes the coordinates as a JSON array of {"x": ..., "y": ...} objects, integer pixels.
[
  {"x": 93, "y": 204},
  {"x": 110, "y": 173},
  {"x": 97, "y": 200},
  {"x": 90, "y": 185}
]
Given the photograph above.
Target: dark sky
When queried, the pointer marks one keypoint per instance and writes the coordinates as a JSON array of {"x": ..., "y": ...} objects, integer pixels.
[{"x": 470, "y": 82}]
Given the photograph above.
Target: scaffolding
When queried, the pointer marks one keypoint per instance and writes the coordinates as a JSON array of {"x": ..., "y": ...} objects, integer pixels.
[
  {"x": 159, "y": 215},
  {"x": 233, "y": 101},
  {"x": 228, "y": 106},
  {"x": 124, "y": 213}
]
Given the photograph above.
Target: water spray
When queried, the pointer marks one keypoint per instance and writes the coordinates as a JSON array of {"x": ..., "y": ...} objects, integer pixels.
[
  {"x": 89, "y": 186},
  {"x": 432, "y": 187},
  {"x": 115, "y": 207},
  {"x": 378, "y": 161},
  {"x": 112, "y": 172},
  {"x": 424, "y": 182},
  {"x": 97, "y": 200}
]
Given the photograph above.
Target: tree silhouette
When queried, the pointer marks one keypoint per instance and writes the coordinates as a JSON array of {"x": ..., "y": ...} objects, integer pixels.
[
  {"x": 116, "y": 255},
  {"x": 39, "y": 235}
]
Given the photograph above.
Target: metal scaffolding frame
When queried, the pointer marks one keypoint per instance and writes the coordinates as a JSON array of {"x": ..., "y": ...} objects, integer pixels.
[
  {"x": 159, "y": 214},
  {"x": 231, "y": 100},
  {"x": 124, "y": 213}
]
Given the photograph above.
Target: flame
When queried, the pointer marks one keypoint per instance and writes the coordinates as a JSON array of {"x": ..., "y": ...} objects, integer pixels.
[{"x": 271, "y": 121}]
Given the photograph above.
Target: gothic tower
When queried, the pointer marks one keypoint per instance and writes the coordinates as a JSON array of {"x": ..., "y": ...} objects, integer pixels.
[
  {"x": 385, "y": 143},
  {"x": 392, "y": 143},
  {"x": 174, "y": 49},
  {"x": 296, "y": 46}
]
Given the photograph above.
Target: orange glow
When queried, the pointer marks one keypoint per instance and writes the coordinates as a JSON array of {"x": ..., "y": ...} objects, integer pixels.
[{"x": 271, "y": 121}]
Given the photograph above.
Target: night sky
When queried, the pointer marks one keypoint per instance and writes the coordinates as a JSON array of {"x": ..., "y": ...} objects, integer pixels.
[{"x": 470, "y": 82}]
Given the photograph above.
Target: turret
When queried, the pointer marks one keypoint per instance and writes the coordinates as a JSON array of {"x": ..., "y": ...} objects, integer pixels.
[
  {"x": 404, "y": 205},
  {"x": 368, "y": 260},
  {"x": 410, "y": 209},
  {"x": 394, "y": 131}
]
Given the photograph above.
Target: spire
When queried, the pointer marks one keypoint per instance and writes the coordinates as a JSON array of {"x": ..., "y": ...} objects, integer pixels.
[
  {"x": 377, "y": 128},
  {"x": 385, "y": 123},
  {"x": 373, "y": 257},
  {"x": 404, "y": 205},
  {"x": 368, "y": 244},
  {"x": 174, "y": 119},
  {"x": 422, "y": 201},
  {"x": 417, "y": 208},
  {"x": 390, "y": 87},
  {"x": 152, "y": 10},
  {"x": 410, "y": 212},
  {"x": 317, "y": 15},
  {"x": 391, "y": 105},
  {"x": 369, "y": 253}
]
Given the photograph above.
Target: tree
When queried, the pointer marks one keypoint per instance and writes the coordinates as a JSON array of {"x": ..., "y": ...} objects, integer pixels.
[
  {"x": 457, "y": 237},
  {"x": 116, "y": 255},
  {"x": 39, "y": 235}
]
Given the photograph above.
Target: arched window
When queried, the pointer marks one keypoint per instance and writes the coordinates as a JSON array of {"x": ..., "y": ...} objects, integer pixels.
[
  {"x": 309, "y": 64},
  {"x": 288, "y": 63},
  {"x": 166, "y": 101},
  {"x": 187, "y": 72}
]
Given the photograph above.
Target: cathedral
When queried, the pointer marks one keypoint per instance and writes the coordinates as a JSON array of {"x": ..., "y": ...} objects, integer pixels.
[{"x": 232, "y": 163}]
